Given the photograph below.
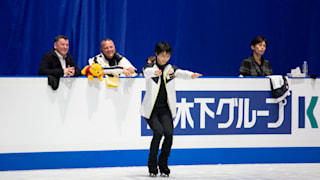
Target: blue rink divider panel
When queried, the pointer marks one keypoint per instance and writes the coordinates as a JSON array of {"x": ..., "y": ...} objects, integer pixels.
[{"x": 116, "y": 158}]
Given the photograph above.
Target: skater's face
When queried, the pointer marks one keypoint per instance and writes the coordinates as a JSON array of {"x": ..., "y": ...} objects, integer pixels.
[{"x": 163, "y": 58}]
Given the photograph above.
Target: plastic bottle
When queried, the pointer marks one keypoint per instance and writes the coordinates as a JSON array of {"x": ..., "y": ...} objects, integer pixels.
[{"x": 305, "y": 68}]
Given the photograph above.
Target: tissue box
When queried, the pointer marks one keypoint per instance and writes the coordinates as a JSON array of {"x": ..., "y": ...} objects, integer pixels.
[{"x": 296, "y": 73}]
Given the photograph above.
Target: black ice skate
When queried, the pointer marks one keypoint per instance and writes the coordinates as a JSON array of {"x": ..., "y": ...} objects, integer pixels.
[
  {"x": 164, "y": 171},
  {"x": 153, "y": 171}
]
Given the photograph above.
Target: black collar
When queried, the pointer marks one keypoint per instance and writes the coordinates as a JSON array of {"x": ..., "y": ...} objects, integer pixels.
[
  {"x": 161, "y": 66},
  {"x": 252, "y": 58},
  {"x": 114, "y": 60}
]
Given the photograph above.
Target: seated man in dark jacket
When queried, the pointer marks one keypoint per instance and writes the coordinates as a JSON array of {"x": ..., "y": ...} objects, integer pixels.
[{"x": 57, "y": 62}]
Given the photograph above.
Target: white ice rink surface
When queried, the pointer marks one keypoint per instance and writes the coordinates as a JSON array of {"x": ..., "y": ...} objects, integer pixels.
[{"x": 203, "y": 172}]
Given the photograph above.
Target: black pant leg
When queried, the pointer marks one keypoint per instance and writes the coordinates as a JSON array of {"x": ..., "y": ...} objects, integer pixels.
[
  {"x": 157, "y": 130},
  {"x": 167, "y": 124}
]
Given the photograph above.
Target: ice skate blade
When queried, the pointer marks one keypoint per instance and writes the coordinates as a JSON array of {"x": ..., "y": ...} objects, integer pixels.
[
  {"x": 152, "y": 175},
  {"x": 164, "y": 175}
]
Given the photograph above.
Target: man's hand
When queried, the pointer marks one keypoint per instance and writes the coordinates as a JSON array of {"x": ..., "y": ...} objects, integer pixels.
[
  {"x": 158, "y": 72},
  {"x": 195, "y": 75},
  {"x": 131, "y": 70},
  {"x": 126, "y": 73},
  {"x": 69, "y": 71}
]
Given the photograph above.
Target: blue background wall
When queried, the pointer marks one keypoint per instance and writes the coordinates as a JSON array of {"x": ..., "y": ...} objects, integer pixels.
[{"x": 208, "y": 36}]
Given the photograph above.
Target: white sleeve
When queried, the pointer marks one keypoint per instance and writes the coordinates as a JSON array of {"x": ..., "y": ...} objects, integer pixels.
[
  {"x": 90, "y": 61},
  {"x": 183, "y": 74},
  {"x": 125, "y": 63},
  {"x": 114, "y": 71},
  {"x": 148, "y": 72}
]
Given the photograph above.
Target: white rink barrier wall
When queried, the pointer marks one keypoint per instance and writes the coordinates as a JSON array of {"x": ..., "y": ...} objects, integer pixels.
[{"x": 220, "y": 120}]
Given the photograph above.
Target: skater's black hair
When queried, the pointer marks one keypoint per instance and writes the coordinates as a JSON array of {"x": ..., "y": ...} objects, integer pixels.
[{"x": 163, "y": 47}]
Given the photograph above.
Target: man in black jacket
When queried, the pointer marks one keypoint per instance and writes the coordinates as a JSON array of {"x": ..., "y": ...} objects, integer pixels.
[{"x": 57, "y": 62}]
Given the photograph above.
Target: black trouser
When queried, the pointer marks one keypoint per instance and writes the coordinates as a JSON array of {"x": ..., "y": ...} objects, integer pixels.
[{"x": 160, "y": 123}]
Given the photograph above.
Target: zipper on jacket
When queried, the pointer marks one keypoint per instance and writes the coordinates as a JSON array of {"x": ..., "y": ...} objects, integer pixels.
[
  {"x": 154, "y": 103},
  {"x": 165, "y": 86}
]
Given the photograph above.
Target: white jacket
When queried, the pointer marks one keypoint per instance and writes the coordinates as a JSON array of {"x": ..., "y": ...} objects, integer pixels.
[
  {"x": 169, "y": 73},
  {"x": 121, "y": 63},
  {"x": 279, "y": 87}
]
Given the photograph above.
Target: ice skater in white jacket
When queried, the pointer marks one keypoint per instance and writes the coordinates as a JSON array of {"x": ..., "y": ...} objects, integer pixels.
[
  {"x": 112, "y": 62},
  {"x": 159, "y": 105}
]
